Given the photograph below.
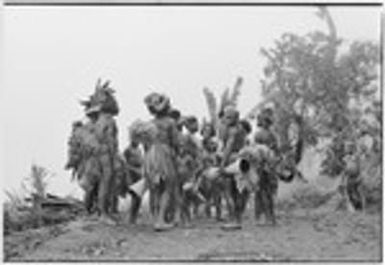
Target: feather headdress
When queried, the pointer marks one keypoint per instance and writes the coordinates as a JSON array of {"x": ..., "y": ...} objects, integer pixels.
[{"x": 102, "y": 96}]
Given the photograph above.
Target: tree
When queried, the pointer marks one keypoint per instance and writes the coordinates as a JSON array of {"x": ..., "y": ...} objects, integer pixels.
[{"x": 315, "y": 88}]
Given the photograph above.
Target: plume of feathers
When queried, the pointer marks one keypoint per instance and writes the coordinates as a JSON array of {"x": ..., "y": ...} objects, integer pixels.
[
  {"x": 236, "y": 91},
  {"x": 211, "y": 104},
  {"x": 224, "y": 100},
  {"x": 230, "y": 97}
]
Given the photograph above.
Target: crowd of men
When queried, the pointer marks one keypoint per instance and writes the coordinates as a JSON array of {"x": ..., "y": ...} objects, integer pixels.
[{"x": 184, "y": 172}]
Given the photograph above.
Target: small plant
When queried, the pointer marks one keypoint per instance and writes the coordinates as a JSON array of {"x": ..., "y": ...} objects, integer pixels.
[
  {"x": 39, "y": 180},
  {"x": 18, "y": 214}
]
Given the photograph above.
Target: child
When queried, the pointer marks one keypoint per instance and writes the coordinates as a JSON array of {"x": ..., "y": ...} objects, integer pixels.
[
  {"x": 353, "y": 180},
  {"x": 134, "y": 162},
  {"x": 188, "y": 169},
  {"x": 268, "y": 183},
  {"x": 211, "y": 188}
]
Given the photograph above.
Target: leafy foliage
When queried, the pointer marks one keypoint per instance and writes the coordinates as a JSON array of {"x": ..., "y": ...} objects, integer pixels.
[
  {"x": 320, "y": 89},
  {"x": 39, "y": 180}
]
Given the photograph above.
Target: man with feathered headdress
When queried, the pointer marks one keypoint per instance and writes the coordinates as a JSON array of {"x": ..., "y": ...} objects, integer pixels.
[
  {"x": 103, "y": 96},
  {"x": 159, "y": 163},
  {"x": 101, "y": 107},
  {"x": 82, "y": 158}
]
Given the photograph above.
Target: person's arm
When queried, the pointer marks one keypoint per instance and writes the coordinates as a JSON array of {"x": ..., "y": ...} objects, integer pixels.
[
  {"x": 199, "y": 166},
  {"x": 275, "y": 143},
  {"x": 127, "y": 154},
  {"x": 110, "y": 134},
  {"x": 174, "y": 137},
  {"x": 136, "y": 170},
  {"x": 228, "y": 148}
]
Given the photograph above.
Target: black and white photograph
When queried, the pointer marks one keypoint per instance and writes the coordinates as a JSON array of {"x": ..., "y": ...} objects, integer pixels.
[{"x": 198, "y": 133}]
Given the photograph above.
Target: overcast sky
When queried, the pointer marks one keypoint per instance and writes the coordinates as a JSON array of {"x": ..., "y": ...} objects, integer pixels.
[{"x": 53, "y": 57}]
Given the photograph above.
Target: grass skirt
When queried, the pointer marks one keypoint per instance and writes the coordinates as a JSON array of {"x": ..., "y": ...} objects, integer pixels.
[{"x": 159, "y": 164}]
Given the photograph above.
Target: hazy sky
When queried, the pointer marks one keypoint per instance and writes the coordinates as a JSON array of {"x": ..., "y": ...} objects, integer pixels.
[{"x": 53, "y": 57}]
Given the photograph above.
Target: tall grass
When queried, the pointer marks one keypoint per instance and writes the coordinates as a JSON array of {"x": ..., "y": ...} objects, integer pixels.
[{"x": 18, "y": 214}]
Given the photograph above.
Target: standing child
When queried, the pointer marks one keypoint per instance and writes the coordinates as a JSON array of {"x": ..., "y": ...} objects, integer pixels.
[
  {"x": 268, "y": 183},
  {"x": 160, "y": 159},
  {"x": 134, "y": 161},
  {"x": 352, "y": 178},
  {"x": 211, "y": 188},
  {"x": 192, "y": 153}
]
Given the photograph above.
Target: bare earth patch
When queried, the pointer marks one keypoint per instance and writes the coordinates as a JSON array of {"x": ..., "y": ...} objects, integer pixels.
[{"x": 301, "y": 235}]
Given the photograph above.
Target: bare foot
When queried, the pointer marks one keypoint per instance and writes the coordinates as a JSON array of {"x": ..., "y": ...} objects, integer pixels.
[
  {"x": 162, "y": 227},
  {"x": 231, "y": 226}
]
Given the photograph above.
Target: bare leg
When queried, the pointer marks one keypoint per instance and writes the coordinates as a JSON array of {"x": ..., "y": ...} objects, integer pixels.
[
  {"x": 88, "y": 201},
  {"x": 135, "y": 206},
  {"x": 186, "y": 215},
  {"x": 269, "y": 207},
  {"x": 208, "y": 208},
  {"x": 164, "y": 201},
  {"x": 241, "y": 202},
  {"x": 155, "y": 203},
  {"x": 178, "y": 203},
  {"x": 231, "y": 196},
  {"x": 104, "y": 191},
  {"x": 229, "y": 199},
  {"x": 258, "y": 205},
  {"x": 152, "y": 201},
  {"x": 218, "y": 207}
]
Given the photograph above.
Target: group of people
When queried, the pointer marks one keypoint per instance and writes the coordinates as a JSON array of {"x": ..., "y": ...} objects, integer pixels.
[{"x": 186, "y": 166}]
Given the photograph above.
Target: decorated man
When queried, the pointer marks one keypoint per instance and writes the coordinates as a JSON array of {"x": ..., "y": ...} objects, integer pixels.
[
  {"x": 159, "y": 164},
  {"x": 105, "y": 131},
  {"x": 233, "y": 139},
  {"x": 83, "y": 158}
]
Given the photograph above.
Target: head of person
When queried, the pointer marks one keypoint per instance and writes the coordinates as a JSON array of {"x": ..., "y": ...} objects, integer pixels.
[
  {"x": 246, "y": 126},
  {"x": 212, "y": 146},
  {"x": 265, "y": 118},
  {"x": 176, "y": 116},
  {"x": 207, "y": 130},
  {"x": 191, "y": 124},
  {"x": 104, "y": 95},
  {"x": 93, "y": 112},
  {"x": 134, "y": 138},
  {"x": 183, "y": 146},
  {"x": 230, "y": 115},
  {"x": 157, "y": 104},
  {"x": 77, "y": 125}
]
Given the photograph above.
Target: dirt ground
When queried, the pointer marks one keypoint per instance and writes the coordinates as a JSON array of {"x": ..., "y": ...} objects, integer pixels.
[{"x": 301, "y": 235}]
